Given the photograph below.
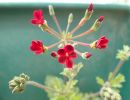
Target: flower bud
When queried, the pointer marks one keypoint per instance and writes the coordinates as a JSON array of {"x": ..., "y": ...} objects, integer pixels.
[
  {"x": 54, "y": 54},
  {"x": 108, "y": 93},
  {"x": 17, "y": 84},
  {"x": 51, "y": 10},
  {"x": 89, "y": 12},
  {"x": 86, "y": 55},
  {"x": 97, "y": 23},
  {"x": 70, "y": 18}
]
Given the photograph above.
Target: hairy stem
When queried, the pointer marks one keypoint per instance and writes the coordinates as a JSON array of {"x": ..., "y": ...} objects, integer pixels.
[
  {"x": 67, "y": 28},
  {"x": 53, "y": 45},
  {"x": 57, "y": 23},
  {"x": 75, "y": 29},
  {"x": 117, "y": 68},
  {"x": 81, "y": 43},
  {"x": 80, "y": 24},
  {"x": 49, "y": 31},
  {"x": 54, "y": 31},
  {"x": 38, "y": 85},
  {"x": 82, "y": 34}
]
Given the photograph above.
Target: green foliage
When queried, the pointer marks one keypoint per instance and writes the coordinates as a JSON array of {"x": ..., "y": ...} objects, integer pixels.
[
  {"x": 63, "y": 92},
  {"x": 100, "y": 81},
  {"x": 117, "y": 81},
  {"x": 91, "y": 96},
  {"x": 72, "y": 72},
  {"x": 123, "y": 54}
]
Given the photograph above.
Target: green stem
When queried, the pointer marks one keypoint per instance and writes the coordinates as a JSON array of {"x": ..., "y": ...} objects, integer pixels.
[
  {"x": 41, "y": 86},
  {"x": 117, "y": 68},
  {"x": 82, "y": 34},
  {"x": 53, "y": 45},
  {"x": 57, "y": 23}
]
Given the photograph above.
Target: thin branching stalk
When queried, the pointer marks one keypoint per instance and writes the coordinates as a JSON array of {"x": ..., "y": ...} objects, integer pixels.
[
  {"x": 67, "y": 28},
  {"x": 81, "y": 43},
  {"x": 41, "y": 86},
  {"x": 53, "y": 45},
  {"x": 54, "y": 31},
  {"x": 75, "y": 29},
  {"x": 82, "y": 34},
  {"x": 117, "y": 68},
  {"x": 57, "y": 23},
  {"x": 78, "y": 26},
  {"x": 78, "y": 52},
  {"x": 49, "y": 31}
]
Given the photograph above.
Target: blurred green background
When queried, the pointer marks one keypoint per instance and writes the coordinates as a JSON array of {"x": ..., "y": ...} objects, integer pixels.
[{"x": 16, "y": 34}]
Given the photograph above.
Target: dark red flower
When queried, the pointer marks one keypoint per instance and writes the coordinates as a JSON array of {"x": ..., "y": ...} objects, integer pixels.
[
  {"x": 37, "y": 17},
  {"x": 101, "y": 43},
  {"x": 37, "y": 47},
  {"x": 90, "y": 8},
  {"x": 66, "y": 55}
]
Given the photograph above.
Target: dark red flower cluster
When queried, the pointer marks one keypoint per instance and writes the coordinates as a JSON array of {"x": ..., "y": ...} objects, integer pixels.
[
  {"x": 37, "y": 47},
  {"x": 101, "y": 43},
  {"x": 38, "y": 18},
  {"x": 66, "y": 55}
]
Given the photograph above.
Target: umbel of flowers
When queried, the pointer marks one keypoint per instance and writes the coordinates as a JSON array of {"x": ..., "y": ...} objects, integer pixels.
[
  {"x": 57, "y": 88},
  {"x": 67, "y": 50}
]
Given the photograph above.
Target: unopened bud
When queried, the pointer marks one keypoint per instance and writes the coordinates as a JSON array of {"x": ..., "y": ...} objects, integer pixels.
[
  {"x": 97, "y": 23},
  {"x": 90, "y": 8},
  {"x": 54, "y": 54},
  {"x": 17, "y": 84},
  {"x": 51, "y": 10},
  {"x": 89, "y": 11},
  {"x": 86, "y": 55},
  {"x": 70, "y": 18}
]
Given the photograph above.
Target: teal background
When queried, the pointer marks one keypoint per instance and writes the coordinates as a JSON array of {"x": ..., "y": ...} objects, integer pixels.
[{"x": 16, "y": 34}]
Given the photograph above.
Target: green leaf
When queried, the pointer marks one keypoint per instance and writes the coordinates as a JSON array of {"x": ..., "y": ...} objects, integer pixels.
[
  {"x": 72, "y": 72},
  {"x": 100, "y": 81},
  {"x": 117, "y": 81},
  {"x": 124, "y": 53}
]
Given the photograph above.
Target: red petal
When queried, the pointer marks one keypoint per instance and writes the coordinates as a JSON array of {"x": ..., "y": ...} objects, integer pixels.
[
  {"x": 38, "y": 52},
  {"x": 39, "y": 43},
  {"x": 34, "y": 21},
  {"x": 62, "y": 59},
  {"x": 38, "y": 14},
  {"x": 69, "y": 63},
  {"x": 69, "y": 48},
  {"x": 73, "y": 55},
  {"x": 61, "y": 52}
]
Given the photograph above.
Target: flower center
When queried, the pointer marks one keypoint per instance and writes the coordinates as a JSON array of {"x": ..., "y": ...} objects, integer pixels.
[{"x": 67, "y": 55}]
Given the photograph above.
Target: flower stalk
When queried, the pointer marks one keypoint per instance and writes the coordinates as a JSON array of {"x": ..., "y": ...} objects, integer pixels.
[{"x": 117, "y": 68}]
